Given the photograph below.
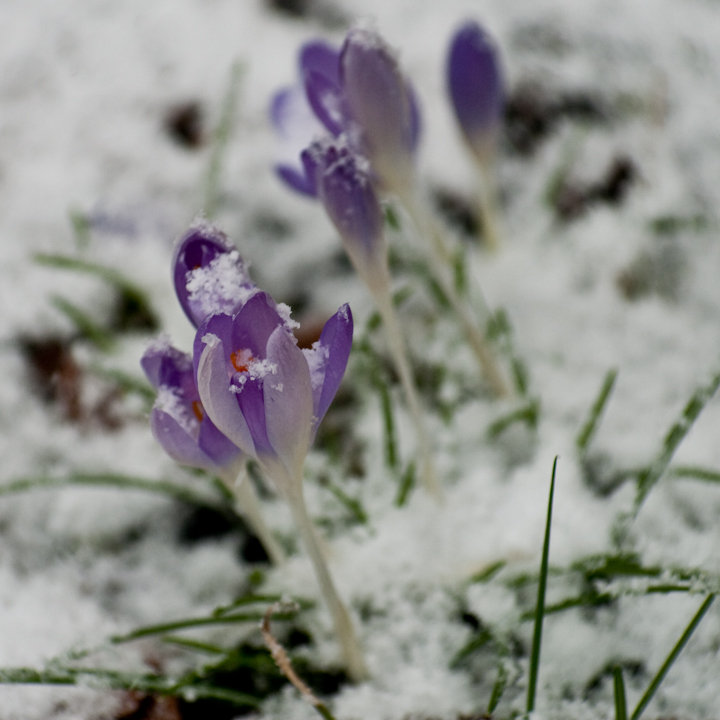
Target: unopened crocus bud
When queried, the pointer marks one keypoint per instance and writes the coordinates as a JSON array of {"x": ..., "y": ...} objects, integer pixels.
[
  {"x": 178, "y": 419},
  {"x": 350, "y": 200},
  {"x": 209, "y": 274},
  {"x": 475, "y": 85},
  {"x": 382, "y": 106}
]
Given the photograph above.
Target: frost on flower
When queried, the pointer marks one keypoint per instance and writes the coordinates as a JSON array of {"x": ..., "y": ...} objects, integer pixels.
[{"x": 222, "y": 285}]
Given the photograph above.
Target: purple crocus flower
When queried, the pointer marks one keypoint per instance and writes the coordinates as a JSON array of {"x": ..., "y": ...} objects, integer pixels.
[
  {"x": 357, "y": 92},
  {"x": 178, "y": 419},
  {"x": 209, "y": 274},
  {"x": 475, "y": 85},
  {"x": 261, "y": 390}
]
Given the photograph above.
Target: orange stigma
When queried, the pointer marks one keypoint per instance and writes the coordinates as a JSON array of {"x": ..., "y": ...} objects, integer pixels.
[
  {"x": 197, "y": 408},
  {"x": 241, "y": 360}
]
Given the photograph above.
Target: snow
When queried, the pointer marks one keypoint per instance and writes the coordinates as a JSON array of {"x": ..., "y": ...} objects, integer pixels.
[{"x": 84, "y": 88}]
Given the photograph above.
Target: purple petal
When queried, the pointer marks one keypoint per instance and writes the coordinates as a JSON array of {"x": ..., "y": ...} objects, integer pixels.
[
  {"x": 320, "y": 57},
  {"x": 221, "y": 289},
  {"x": 280, "y": 109},
  {"x": 326, "y": 101},
  {"x": 177, "y": 443},
  {"x": 253, "y": 325},
  {"x": 378, "y": 100},
  {"x": 288, "y": 402},
  {"x": 475, "y": 82},
  {"x": 215, "y": 445},
  {"x": 351, "y": 203},
  {"x": 297, "y": 180},
  {"x": 166, "y": 366},
  {"x": 250, "y": 396},
  {"x": 328, "y": 359},
  {"x": 218, "y": 399}
]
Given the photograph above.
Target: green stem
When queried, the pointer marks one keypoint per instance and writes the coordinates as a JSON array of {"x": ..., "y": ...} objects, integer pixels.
[
  {"x": 354, "y": 659},
  {"x": 248, "y": 506}
]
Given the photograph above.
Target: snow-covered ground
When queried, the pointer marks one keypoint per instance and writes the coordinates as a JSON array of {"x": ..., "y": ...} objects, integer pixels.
[{"x": 86, "y": 88}]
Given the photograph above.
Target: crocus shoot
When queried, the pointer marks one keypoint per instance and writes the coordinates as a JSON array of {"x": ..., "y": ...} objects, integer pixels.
[{"x": 475, "y": 86}]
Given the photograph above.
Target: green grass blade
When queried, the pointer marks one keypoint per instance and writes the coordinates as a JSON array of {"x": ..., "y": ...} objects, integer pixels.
[
  {"x": 391, "y": 454},
  {"x": 696, "y": 473},
  {"x": 109, "y": 275},
  {"x": 122, "y": 482},
  {"x": 192, "y": 623},
  {"x": 407, "y": 483},
  {"x": 650, "y": 475},
  {"x": 663, "y": 671},
  {"x": 540, "y": 607},
  {"x": 620, "y": 702},
  {"x": 498, "y": 689},
  {"x": 489, "y": 572},
  {"x": 128, "y": 383},
  {"x": 84, "y": 324},
  {"x": 591, "y": 424},
  {"x": 220, "y": 141},
  {"x": 528, "y": 414},
  {"x": 81, "y": 228}
]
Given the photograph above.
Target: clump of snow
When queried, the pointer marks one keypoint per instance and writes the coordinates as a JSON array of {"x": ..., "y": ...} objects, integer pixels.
[{"x": 222, "y": 286}]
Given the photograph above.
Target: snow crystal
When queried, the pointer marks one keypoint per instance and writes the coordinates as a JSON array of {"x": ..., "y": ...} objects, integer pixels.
[
  {"x": 221, "y": 286},
  {"x": 170, "y": 401},
  {"x": 317, "y": 357}
]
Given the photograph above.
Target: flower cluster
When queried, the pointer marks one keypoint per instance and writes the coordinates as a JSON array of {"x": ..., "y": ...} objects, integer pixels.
[{"x": 248, "y": 391}]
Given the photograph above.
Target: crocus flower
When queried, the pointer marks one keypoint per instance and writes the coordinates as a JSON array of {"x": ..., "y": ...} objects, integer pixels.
[
  {"x": 359, "y": 92},
  {"x": 209, "y": 274},
  {"x": 262, "y": 391},
  {"x": 178, "y": 420},
  {"x": 268, "y": 396},
  {"x": 475, "y": 85},
  {"x": 181, "y": 426}
]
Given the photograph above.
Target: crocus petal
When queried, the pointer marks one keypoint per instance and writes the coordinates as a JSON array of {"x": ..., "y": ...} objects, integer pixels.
[
  {"x": 250, "y": 397},
  {"x": 165, "y": 365},
  {"x": 350, "y": 200},
  {"x": 219, "y": 401},
  {"x": 215, "y": 445},
  {"x": 320, "y": 57},
  {"x": 327, "y": 365},
  {"x": 253, "y": 325},
  {"x": 176, "y": 442},
  {"x": 288, "y": 402},
  {"x": 296, "y": 180},
  {"x": 326, "y": 101},
  {"x": 379, "y": 103},
  {"x": 209, "y": 274},
  {"x": 475, "y": 84}
]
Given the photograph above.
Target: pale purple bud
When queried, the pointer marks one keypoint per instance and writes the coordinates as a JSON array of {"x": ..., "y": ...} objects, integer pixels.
[
  {"x": 209, "y": 274},
  {"x": 350, "y": 200},
  {"x": 475, "y": 85},
  {"x": 178, "y": 420},
  {"x": 382, "y": 107}
]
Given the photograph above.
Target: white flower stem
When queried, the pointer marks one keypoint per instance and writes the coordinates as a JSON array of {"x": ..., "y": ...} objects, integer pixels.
[
  {"x": 248, "y": 506},
  {"x": 440, "y": 260},
  {"x": 352, "y": 653},
  {"x": 396, "y": 344},
  {"x": 487, "y": 204}
]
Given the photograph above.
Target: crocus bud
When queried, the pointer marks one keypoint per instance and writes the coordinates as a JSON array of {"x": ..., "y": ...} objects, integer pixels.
[
  {"x": 346, "y": 190},
  {"x": 209, "y": 274},
  {"x": 475, "y": 85},
  {"x": 178, "y": 420},
  {"x": 382, "y": 106}
]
